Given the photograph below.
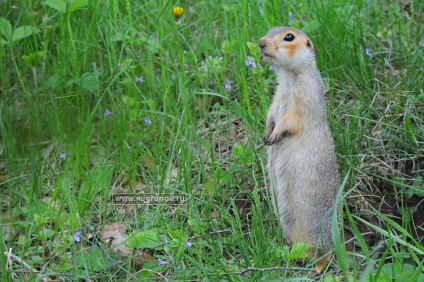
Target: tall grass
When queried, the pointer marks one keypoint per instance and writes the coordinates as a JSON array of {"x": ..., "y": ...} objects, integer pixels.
[{"x": 115, "y": 96}]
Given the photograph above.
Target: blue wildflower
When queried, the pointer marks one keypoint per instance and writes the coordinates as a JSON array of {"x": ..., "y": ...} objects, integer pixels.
[
  {"x": 108, "y": 113},
  {"x": 291, "y": 18},
  {"x": 77, "y": 237},
  {"x": 250, "y": 62},
  {"x": 272, "y": 68},
  {"x": 139, "y": 79},
  {"x": 62, "y": 155},
  {"x": 162, "y": 262},
  {"x": 228, "y": 85},
  {"x": 368, "y": 52},
  {"x": 147, "y": 121}
]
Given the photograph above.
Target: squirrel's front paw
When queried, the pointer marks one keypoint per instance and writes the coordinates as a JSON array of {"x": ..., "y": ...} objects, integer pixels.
[
  {"x": 266, "y": 140},
  {"x": 275, "y": 137},
  {"x": 270, "y": 125},
  {"x": 271, "y": 139}
]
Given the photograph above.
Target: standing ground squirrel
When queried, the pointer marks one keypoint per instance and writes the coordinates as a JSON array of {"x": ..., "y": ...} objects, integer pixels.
[{"x": 301, "y": 159}]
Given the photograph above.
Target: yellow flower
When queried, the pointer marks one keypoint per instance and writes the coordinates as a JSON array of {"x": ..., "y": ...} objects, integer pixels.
[{"x": 178, "y": 11}]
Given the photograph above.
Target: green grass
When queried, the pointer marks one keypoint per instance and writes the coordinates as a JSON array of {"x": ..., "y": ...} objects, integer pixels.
[{"x": 68, "y": 84}]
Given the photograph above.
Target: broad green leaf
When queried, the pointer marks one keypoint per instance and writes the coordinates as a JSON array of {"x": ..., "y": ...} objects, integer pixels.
[
  {"x": 210, "y": 186},
  {"x": 152, "y": 45},
  {"x": 331, "y": 278},
  {"x": 40, "y": 220},
  {"x": 253, "y": 47},
  {"x": 227, "y": 47},
  {"x": 5, "y": 29},
  {"x": 45, "y": 233},
  {"x": 177, "y": 234},
  {"x": 34, "y": 57},
  {"x": 396, "y": 269},
  {"x": 37, "y": 259},
  {"x": 143, "y": 239},
  {"x": 219, "y": 174},
  {"x": 94, "y": 259},
  {"x": 298, "y": 251},
  {"x": 77, "y": 4},
  {"x": 53, "y": 81},
  {"x": 24, "y": 31},
  {"x": 238, "y": 150},
  {"x": 58, "y": 5},
  {"x": 90, "y": 82},
  {"x": 64, "y": 6}
]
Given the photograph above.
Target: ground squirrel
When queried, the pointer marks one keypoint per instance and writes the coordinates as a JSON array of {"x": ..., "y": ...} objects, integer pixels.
[{"x": 301, "y": 158}]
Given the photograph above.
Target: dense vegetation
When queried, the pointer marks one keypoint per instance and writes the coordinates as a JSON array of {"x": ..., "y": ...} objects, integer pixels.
[{"x": 105, "y": 97}]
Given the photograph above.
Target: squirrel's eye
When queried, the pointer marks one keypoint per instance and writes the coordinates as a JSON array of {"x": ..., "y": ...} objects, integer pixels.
[{"x": 289, "y": 37}]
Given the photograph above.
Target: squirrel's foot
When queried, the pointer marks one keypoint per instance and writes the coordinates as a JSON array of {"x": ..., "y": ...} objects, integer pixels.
[{"x": 322, "y": 264}]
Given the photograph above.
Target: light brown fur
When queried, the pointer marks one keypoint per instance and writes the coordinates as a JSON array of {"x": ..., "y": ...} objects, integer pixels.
[{"x": 301, "y": 159}]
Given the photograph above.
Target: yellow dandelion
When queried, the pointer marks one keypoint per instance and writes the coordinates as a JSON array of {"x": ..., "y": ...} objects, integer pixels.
[{"x": 178, "y": 11}]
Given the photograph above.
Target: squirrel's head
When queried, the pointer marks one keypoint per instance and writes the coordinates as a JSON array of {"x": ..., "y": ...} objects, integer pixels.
[{"x": 287, "y": 48}]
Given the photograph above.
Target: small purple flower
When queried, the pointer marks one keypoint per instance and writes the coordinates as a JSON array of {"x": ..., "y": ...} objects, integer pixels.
[
  {"x": 62, "y": 155},
  {"x": 108, "y": 113},
  {"x": 77, "y": 237},
  {"x": 147, "y": 121},
  {"x": 162, "y": 262},
  {"x": 228, "y": 85},
  {"x": 139, "y": 79},
  {"x": 179, "y": 266},
  {"x": 368, "y": 52},
  {"x": 250, "y": 62},
  {"x": 188, "y": 244},
  {"x": 272, "y": 68},
  {"x": 291, "y": 18},
  {"x": 140, "y": 143}
]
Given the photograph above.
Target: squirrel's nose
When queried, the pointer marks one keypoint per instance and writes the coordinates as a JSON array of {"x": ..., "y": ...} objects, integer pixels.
[{"x": 262, "y": 43}]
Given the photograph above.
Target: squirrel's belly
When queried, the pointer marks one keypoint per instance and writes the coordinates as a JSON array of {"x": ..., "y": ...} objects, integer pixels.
[
  {"x": 281, "y": 174},
  {"x": 295, "y": 167}
]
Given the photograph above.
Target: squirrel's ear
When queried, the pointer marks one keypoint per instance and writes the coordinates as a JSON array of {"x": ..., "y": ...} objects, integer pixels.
[{"x": 309, "y": 45}]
